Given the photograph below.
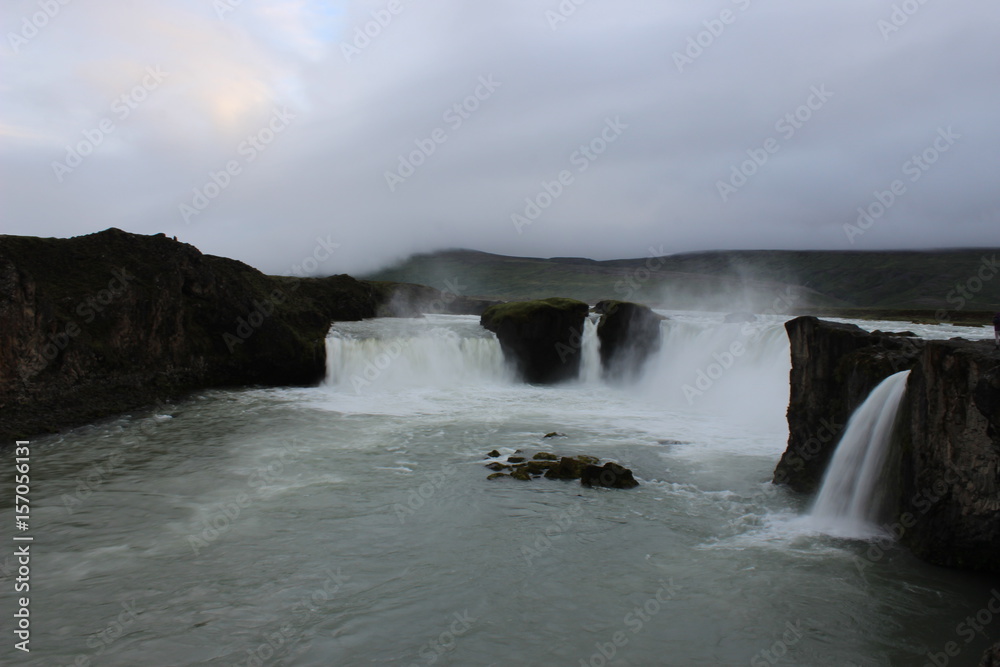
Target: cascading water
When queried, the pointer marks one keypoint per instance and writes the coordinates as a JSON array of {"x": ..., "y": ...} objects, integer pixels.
[
  {"x": 590, "y": 352},
  {"x": 402, "y": 353},
  {"x": 847, "y": 503},
  {"x": 736, "y": 370}
]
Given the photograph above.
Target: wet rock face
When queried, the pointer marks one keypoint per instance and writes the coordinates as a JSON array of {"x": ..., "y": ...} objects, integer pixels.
[
  {"x": 99, "y": 324},
  {"x": 942, "y": 477},
  {"x": 540, "y": 338},
  {"x": 950, "y": 442},
  {"x": 610, "y": 475},
  {"x": 629, "y": 334},
  {"x": 834, "y": 368}
]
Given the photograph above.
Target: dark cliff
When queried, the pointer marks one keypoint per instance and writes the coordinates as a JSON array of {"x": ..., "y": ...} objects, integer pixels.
[
  {"x": 541, "y": 338},
  {"x": 950, "y": 453},
  {"x": 629, "y": 334},
  {"x": 942, "y": 482},
  {"x": 98, "y": 324},
  {"x": 834, "y": 368}
]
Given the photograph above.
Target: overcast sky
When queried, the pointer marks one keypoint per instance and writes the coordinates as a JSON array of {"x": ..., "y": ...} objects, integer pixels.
[{"x": 273, "y": 131}]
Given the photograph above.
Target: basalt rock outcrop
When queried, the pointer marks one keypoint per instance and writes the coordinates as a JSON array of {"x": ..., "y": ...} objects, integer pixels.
[
  {"x": 834, "y": 368},
  {"x": 942, "y": 479},
  {"x": 542, "y": 338},
  {"x": 949, "y": 448},
  {"x": 629, "y": 334},
  {"x": 96, "y": 325}
]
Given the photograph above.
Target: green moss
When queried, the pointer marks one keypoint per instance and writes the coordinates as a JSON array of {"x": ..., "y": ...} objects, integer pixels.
[{"x": 523, "y": 311}]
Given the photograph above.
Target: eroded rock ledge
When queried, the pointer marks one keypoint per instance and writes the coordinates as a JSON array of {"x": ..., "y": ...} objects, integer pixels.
[
  {"x": 96, "y": 325},
  {"x": 942, "y": 481}
]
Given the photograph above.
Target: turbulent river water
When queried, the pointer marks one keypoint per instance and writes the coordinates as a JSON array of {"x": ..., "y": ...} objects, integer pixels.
[{"x": 353, "y": 524}]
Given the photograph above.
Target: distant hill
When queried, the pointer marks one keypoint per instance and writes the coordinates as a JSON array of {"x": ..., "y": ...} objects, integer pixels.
[{"x": 961, "y": 280}]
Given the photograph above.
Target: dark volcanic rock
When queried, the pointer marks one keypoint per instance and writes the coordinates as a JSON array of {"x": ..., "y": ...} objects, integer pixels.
[
  {"x": 99, "y": 324},
  {"x": 834, "y": 368},
  {"x": 992, "y": 657},
  {"x": 942, "y": 477},
  {"x": 950, "y": 456},
  {"x": 541, "y": 338},
  {"x": 566, "y": 468},
  {"x": 629, "y": 334},
  {"x": 610, "y": 474}
]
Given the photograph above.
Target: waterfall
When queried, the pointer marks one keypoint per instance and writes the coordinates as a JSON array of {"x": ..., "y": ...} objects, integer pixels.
[
  {"x": 847, "y": 503},
  {"x": 590, "y": 352},
  {"x": 737, "y": 371},
  {"x": 437, "y": 351}
]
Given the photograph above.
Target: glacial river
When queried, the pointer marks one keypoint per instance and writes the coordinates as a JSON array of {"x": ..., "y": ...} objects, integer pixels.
[{"x": 353, "y": 524}]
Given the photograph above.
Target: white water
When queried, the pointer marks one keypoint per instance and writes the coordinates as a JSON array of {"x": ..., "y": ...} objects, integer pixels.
[
  {"x": 397, "y": 354},
  {"x": 348, "y": 524},
  {"x": 847, "y": 503},
  {"x": 708, "y": 367},
  {"x": 590, "y": 352}
]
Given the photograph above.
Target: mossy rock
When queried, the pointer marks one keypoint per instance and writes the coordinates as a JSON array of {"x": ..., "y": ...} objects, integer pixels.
[
  {"x": 493, "y": 454},
  {"x": 539, "y": 467},
  {"x": 545, "y": 456},
  {"x": 515, "y": 459},
  {"x": 498, "y": 475},
  {"x": 497, "y": 466},
  {"x": 566, "y": 468},
  {"x": 540, "y": 338},
  {"x": 521, "y": 474},
  {"x": 523, "y": 311}
]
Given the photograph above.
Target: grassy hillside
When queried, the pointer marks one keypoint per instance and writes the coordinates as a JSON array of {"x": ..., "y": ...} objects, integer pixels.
[{"x": 960, "y": 281}]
